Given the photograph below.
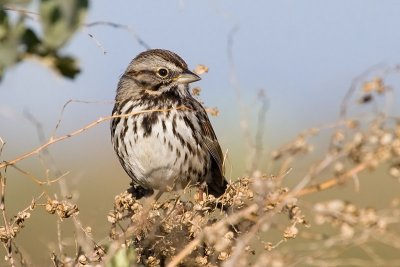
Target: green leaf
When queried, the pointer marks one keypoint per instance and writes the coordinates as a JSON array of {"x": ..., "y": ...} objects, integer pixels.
[
  {"x": 18, "y": 42},
  {"x": 4, "y": 24},
  {"x": 10, "y": 39},
  {"x": 32, "y": 42},
  {"x": 124, "y": 257},
  {"x": 67, "y": 66},
  {"x": 60, "y": 19}
]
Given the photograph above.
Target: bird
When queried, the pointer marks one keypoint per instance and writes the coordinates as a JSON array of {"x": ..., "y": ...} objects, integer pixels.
[{"x": 161, "y": 134}]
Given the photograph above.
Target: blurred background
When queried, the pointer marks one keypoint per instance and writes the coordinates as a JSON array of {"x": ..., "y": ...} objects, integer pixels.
[{"x": 296, "y": 59}]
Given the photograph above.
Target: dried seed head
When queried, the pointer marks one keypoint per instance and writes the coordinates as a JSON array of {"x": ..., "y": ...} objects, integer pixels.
[
  {"x": 64, "y": 209},
  {"x": 223, "y": 256},
  {"x": 386, "y": 139},
  {"x": 268, "y": 246},
  {"x": 396, "y": 147},
  {"x": 200, "y": 69},
  {"x": 338, "y": 168},
  {"x": 346, "y": 231},
  {"x": 201, "y": 260},
  {"x": 21, "y": 217},
  {"x": 352, "y": 124},
  {"x": 338, "y": 136},
  {"x": 213, "y": 111},
  {"x": 152, "y": 261},
  {"x": 196, "y": 91},
  {"x": 290, "y": 232},
  {"x": 375, "y": 85},
  {"x": 82, "y": 260}
]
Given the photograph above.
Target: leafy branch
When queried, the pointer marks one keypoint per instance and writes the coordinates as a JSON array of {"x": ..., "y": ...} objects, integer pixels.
[{"x": 58, "y": 21}]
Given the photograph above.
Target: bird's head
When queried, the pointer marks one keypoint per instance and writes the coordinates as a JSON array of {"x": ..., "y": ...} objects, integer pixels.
[{"x": 157, "y": 71}]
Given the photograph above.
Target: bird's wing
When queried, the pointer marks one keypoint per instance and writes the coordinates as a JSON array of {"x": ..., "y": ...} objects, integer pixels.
[{"x": 211, "y": 143}]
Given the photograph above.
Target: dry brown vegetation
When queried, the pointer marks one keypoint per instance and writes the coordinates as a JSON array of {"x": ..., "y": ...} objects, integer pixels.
[{"x": 258, "y": 215}]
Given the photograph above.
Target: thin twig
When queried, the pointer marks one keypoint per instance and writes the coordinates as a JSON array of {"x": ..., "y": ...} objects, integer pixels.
[
  {"x": 258, "y": 146},
  {"x": 97, "y": 42},
  {"x": 60, "y": 118},
  {"x": 334, "y": 180},
  {"x": 31, "y": 206},
  {"x": 54, "y": 140},
  {"x": 7, "y": 226},
  {"x": 2, "y": 145},
  {"x": 120, "y": 26},
  {"x": 37, "y": 180},
  {"x": 27, "y": 13},
  {"x": 353, "y": 87}
]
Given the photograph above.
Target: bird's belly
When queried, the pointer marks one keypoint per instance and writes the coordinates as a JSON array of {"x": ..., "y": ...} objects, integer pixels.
[
  {"x": 155, "y": 164},
  {"x": 165, "y": 157}
]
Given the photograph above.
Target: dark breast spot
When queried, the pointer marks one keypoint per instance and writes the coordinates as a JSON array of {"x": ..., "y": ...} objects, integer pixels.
[
  {"x": 148, "y": 121},
  {"x": 178, "y": 153},
  {"x": 114, "y": 124},
  {"x": 134, "y": 127},
  {"x": 170, "y": 146},
  {"x": 174, "y": 126},
  {"x": 190, "y": 148},
  {"x": 190, "y": 170},
  {"x": 180, "y": 138},
  {"x": 124, "y": 129}
]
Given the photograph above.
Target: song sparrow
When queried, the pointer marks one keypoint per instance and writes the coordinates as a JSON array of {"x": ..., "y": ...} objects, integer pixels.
[{"x": 169, "y": 143}]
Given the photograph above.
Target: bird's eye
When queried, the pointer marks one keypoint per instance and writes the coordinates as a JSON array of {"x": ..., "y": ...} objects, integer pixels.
[{"x": 162, "y": 72}]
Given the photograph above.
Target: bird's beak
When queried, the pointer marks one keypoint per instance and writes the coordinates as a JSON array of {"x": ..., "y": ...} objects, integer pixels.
[{"x": 187, "y": 77}]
